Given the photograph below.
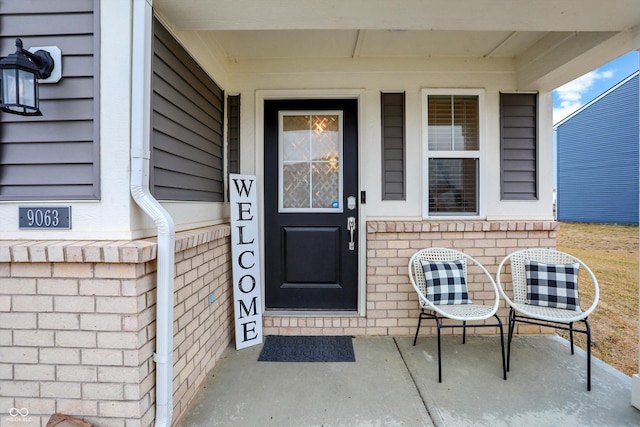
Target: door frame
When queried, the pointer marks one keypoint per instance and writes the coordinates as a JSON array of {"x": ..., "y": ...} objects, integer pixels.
[{"x": 358, "y": 94}]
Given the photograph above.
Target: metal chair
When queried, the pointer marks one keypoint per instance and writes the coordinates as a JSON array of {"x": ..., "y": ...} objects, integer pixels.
[
  {"x": 433, "y": 271},
  {"x": 553, "y": 301}
]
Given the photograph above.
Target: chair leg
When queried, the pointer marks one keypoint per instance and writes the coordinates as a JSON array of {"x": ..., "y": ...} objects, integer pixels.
[
  {"x": 571, "y": 336},
  {"x": 418, "y": 328},
  {"x": 512, "y": 322},
  {"x": 504, "y": 364},
  {"x": 439, "y": 352},
  {"x": 588, "y": 354},
  {"x": 464, "y": 332}
]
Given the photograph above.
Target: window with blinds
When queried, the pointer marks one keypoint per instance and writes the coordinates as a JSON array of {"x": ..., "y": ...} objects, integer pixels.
[{"x": 453, "y": 150}]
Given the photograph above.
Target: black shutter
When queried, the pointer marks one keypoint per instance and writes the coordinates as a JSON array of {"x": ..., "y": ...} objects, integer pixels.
[
  {"x": 233, "y": 133},
  {"x": 519, "y": 146},
  {"x": 393, "y": 146}
]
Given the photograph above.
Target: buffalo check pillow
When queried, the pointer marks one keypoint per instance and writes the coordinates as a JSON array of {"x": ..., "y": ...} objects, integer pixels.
[
  {"x": 552, "y": 285},
  {"x": 445, "y": 282}
]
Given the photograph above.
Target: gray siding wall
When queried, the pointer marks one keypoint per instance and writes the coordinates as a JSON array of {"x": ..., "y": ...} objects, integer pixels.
[
  {"x": 598, "y": 160},
  {"x": 519, "y": 146},
  {"x": 188, "y": 118},
  {"x": 393, "y": 146},
  {"x": 55, "y": 156}
]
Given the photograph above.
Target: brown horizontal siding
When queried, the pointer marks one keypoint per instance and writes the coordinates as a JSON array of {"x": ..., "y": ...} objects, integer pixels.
[
  {"x": 55, "y": 156},
  {"x": 12, "y": 7},
  {"x": 22, "y": 23},
  {"x": 44, "y": 152},
  {"x": 188, "y": 122}
]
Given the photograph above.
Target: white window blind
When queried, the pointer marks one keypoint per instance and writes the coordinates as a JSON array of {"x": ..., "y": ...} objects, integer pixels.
[{"x": 453, "y": 147}]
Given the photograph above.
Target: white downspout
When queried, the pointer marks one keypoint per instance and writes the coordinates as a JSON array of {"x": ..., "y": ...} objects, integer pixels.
[{"x": 140, "y": 155}]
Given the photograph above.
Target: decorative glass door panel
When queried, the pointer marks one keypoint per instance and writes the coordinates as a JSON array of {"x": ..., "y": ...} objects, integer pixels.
[{"x": 310, "y": 161}]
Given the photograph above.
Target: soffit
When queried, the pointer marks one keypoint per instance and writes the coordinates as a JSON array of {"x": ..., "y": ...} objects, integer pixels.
[
  {"x": 446, "y": 15},
  {"x": 532, "y": 33}
]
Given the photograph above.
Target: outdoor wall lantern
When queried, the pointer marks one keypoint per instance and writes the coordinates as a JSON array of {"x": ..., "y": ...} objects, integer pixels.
[{"x": 20, "y": 74}]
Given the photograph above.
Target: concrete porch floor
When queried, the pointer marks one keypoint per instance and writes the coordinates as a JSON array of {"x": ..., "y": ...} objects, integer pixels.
[{"x": 393, "y": 383}]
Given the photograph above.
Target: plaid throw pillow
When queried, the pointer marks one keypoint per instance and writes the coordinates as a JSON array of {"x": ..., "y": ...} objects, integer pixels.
[
  {"x": 552, "y": 285},
  {"x": 445, "y": 282}
]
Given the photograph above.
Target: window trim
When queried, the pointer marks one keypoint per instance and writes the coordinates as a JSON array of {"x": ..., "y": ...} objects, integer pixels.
[{"x": 479, "y": 154}]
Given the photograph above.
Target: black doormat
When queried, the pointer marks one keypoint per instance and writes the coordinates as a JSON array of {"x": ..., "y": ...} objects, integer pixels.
[{"x": 281, "y": 348}]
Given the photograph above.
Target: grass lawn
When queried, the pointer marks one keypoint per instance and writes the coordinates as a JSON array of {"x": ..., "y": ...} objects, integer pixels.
[{"x": 611, "y": 251}]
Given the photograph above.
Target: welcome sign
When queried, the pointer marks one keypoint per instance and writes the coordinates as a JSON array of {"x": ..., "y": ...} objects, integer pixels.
[{"x": 246, "y": 260}]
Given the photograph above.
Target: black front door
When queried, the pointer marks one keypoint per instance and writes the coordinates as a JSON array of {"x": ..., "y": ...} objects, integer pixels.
[{"x": 311, "y": 204}]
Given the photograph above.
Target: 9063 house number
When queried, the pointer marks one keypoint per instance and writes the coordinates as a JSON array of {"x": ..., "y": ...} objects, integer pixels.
[{"x": 45, "y": 217}]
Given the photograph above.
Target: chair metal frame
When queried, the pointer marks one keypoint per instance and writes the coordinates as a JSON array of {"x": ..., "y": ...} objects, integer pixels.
[
  {"x": 460, "y": 312},
  {"x": 521, "y": 311}
]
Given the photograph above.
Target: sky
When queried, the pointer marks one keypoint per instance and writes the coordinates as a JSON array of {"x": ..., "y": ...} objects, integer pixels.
[{"x": 573, "y": 95}]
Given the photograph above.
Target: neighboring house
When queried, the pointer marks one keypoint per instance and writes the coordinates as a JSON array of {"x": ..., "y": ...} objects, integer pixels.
[
  {"x": 598, "y": 158},
  {"x": 427, "y": 122}
]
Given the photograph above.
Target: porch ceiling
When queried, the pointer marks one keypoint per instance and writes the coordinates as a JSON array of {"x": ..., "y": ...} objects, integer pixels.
[
  {"x": 264, "y": 44},
  {"x": 541, "y": 36}
]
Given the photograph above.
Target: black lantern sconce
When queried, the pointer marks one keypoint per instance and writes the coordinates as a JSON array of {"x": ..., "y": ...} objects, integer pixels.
[{"x": 19, "y": 76}]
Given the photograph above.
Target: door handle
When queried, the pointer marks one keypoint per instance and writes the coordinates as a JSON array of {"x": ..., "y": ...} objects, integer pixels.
[{"x": 351, "y": 226}]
